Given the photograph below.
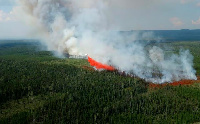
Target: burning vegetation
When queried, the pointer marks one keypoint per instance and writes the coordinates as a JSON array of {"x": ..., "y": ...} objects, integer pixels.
[
  {"x": 99, "y": 66},
  {"x": 176, "y": 83}
]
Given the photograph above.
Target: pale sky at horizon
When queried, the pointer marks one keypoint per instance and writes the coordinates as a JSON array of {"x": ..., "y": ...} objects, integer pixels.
[{"x": 136, "y": 15}]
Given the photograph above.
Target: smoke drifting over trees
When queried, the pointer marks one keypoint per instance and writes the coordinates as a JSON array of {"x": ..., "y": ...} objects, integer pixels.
[{"x": 84, "y": 28}]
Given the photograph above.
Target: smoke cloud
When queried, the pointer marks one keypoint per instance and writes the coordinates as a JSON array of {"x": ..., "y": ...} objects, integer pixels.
[{"x": 79, "y": 28}]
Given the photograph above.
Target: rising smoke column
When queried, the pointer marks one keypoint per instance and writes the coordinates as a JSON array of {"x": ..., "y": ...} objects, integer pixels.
[{"x": 82, "y": 28}]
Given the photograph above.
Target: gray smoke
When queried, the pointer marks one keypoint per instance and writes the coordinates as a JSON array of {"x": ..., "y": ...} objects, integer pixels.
[{"x": 84, "y": 27}]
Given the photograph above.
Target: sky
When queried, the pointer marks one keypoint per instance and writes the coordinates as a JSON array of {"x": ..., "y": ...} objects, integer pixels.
[
  {"x": 10, "y": 26},
  {"x": 123, "y": 15}
]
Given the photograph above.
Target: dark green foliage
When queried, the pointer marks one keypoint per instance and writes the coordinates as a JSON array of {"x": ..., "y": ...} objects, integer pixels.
[{"x": 36, "y": 87}]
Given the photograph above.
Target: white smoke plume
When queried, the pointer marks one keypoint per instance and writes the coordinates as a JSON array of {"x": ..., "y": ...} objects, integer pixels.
[{"x": 84, "y": 27}]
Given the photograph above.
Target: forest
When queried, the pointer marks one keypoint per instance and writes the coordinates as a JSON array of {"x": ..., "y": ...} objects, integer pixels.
[{"x": 37, "y": 87}]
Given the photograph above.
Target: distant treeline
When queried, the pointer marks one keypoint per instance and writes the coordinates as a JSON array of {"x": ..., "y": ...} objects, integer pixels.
[
  {"x": 14, "y": 43},
  {"x": 158, "y": 35},
  {"x": 171, "y": 35}
]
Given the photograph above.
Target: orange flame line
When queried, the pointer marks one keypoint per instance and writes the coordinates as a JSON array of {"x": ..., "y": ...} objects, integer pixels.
[{"x": 99, "y": 65}]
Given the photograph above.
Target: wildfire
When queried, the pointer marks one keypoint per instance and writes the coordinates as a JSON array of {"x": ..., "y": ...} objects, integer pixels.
[
  {"x": 176, "y": 83},
  {"x": 99, "y": 65}
]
